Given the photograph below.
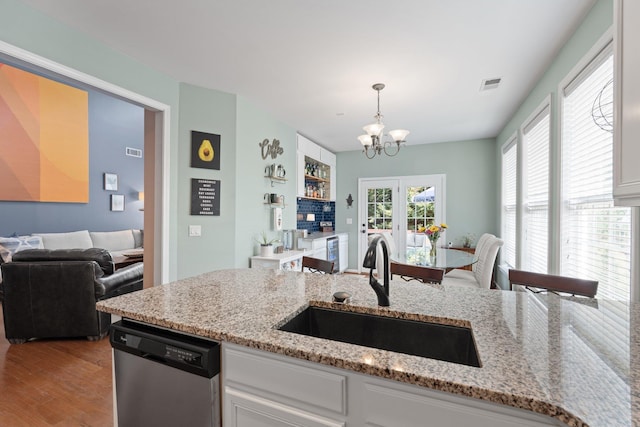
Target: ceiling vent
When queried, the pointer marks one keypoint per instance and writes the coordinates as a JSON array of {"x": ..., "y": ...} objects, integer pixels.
[{"x": 490, "y": 83}]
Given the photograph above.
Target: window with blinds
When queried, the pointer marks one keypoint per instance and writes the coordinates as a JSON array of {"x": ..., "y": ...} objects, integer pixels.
[
  {"x": 509, "y": 207},
  {"x": 596, "y": 235},
  {"x": 535, "y": 202}
]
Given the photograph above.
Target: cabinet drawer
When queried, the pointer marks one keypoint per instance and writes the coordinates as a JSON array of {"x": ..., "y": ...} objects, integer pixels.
[
  {"x": 247, "y": 410},
  {"x": 285, "y": 379}
]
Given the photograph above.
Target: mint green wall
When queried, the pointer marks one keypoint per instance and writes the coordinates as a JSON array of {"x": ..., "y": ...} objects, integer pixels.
[
  {"x": 470, "y": 169},
  {"x": 252, "y": 215},
  {"x": 210, "y": 111},
  {"x": 594, "y": 26}
]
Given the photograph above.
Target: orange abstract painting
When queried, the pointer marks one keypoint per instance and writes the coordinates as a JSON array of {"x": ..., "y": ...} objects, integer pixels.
[{"x": 44, "y": 139}]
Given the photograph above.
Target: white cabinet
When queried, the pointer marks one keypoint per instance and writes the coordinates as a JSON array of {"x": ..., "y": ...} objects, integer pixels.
[
  {"x": 308, "y": 147},
  {"x": 289, "y": 260},
  {"x": 267, "y": 389},
  {"x": 343, "y": 239},
  {"x": 300, "y": 162},
  {"x": 316, "y": 248},
  {"x": 244, "y": 409},
  {"x": 329, "y": 158},
  {"x": 264, "y": 389},
  {"x": 312, "y": 153},
  {"x": 626, "y": 148}
]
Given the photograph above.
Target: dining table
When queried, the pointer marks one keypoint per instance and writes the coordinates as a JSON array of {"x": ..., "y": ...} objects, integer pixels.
[
  {"x": 418, "y": 263},
  {"x": 445, "y": 258}
]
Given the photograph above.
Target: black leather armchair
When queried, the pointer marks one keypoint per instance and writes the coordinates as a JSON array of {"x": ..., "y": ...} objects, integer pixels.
[{"x": 53, "y": 293}]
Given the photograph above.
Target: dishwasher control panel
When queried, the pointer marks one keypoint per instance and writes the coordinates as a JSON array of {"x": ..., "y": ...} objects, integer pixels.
[{"x": 186, "y": 352}]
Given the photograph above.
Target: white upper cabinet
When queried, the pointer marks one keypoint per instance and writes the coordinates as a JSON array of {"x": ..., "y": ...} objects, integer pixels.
[
  {"x": 308, "y": 147},
  {"x": 310, "y": 151},
  {"x": 626, "y": 147}
]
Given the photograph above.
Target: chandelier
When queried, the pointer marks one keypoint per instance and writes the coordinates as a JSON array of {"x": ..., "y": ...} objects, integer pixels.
[{"x": 372, "y": 141}]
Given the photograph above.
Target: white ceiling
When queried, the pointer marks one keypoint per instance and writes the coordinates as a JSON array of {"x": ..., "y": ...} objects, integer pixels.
[{"x": 312, "y": 63}]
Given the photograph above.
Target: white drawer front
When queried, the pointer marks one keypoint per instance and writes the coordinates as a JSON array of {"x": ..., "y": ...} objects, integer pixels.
[
  {"x": 246, "y": 410},
  {"x": 287, "y": 379}
]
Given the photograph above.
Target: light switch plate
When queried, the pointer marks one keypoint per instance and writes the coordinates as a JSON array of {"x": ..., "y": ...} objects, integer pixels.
[
  {"x": 195, "y": 230},
  {"x": 349, "y": 221}
]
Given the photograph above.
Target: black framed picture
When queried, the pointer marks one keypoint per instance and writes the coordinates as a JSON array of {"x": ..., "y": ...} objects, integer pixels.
[
  {"x": 205, "y": 197},
  {"x": 205, "y": 150}
]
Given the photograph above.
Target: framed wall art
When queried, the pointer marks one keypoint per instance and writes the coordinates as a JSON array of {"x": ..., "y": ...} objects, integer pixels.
[
  {"x": 117, "y": 202},
  {"x": 205, "y": 150},
  {"x": 110, "y": 181}
]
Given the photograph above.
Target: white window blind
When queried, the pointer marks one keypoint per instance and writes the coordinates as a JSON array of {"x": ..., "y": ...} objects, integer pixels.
[
  {"x": 596, "y": 235},
  {"x": 509, "y": 192},
  {"x": 535, "y": 209}
]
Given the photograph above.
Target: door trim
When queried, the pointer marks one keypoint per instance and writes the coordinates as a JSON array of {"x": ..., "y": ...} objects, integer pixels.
[{"x": 162, "y": 144}]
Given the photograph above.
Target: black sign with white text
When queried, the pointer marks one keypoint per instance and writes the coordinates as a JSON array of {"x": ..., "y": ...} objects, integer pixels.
[{"x": 205, "y": 197}]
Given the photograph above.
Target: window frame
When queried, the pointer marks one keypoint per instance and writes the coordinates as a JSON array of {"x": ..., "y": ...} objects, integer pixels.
[{"x": 542, "y": 110}]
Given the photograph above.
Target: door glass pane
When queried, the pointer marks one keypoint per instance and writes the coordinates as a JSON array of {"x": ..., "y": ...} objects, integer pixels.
[
  {"x": 379, "y": 210},
  {"x": 420, "y": 215}
]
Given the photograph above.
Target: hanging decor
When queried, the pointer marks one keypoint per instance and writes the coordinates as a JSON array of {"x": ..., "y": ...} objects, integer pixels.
[
  {"x": 602, "y": 109},
  {"x": 373, "y": 139},
  {"x": 272, "y": 149}
]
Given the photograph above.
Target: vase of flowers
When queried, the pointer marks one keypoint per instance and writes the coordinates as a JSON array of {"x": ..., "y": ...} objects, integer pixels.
[{"x": 433, "y": 233}]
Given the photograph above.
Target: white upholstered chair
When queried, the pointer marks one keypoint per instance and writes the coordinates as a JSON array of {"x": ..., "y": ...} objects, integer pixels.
[{"x": 480, "y": 275}]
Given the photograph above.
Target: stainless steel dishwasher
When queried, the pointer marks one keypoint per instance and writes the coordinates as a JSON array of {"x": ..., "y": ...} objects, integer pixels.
[{"x": 164, "y": 378}]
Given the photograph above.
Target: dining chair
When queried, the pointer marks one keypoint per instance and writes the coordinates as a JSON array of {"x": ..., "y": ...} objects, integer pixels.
[
  {"x": 317, "y": 265},
  {"x": 557, "y": 284},
  {"x": 482, "y": 270},
  {"x": 417, "y": 272}
]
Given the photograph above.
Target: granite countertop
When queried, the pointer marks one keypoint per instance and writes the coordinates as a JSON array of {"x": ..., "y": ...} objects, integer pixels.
[{"x": 570, "y": 358}]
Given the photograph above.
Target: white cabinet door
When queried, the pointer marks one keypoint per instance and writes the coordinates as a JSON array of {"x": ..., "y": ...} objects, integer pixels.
[
  {"x": 308, "y": 147},
  {"x": 300, "y": 174},
  {"x": 384, "y": 406},
  {"x": 328, "y": 158},
  {"x": 247, "y": 410},
  {"x": 626, "y": 149}
]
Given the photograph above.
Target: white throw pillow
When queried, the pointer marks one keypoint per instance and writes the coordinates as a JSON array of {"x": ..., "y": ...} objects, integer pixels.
[
  {"x": 113, "y": 240},
  {"x": 11, "y": 245},
  {"x": 71, "y": 240}
]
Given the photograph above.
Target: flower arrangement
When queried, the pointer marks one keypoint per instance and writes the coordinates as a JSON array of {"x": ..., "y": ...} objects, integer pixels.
[{"x": 433, "y": 233}]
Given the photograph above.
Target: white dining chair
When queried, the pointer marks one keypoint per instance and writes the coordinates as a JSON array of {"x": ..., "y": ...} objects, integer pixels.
[{"x": 482, "y": 270}]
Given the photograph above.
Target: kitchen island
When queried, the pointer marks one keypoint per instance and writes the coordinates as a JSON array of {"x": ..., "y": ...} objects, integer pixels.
[{"x": 571, "y": 359}]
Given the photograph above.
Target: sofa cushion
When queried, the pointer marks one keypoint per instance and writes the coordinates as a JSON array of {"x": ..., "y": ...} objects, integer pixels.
[
  {"x": 70, "y": 240},
  {"x": 113, "y": 240}
]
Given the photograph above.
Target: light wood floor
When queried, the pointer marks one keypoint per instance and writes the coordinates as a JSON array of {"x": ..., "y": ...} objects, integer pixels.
[{"x": 55, "y": 383}]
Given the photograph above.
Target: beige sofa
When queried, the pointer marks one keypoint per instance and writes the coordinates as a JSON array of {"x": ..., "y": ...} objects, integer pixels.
[{"x": 115, "y": 242}]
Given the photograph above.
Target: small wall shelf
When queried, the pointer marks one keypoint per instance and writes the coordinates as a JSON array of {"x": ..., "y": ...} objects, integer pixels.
[{"x": 277, "y": 179}]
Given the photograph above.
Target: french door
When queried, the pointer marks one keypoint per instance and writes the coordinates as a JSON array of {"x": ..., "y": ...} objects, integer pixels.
[{"x": 400, "y": 206}]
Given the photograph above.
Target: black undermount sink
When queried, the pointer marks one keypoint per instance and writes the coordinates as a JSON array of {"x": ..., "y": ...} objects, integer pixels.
[{"x": 432, "y": 340}]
